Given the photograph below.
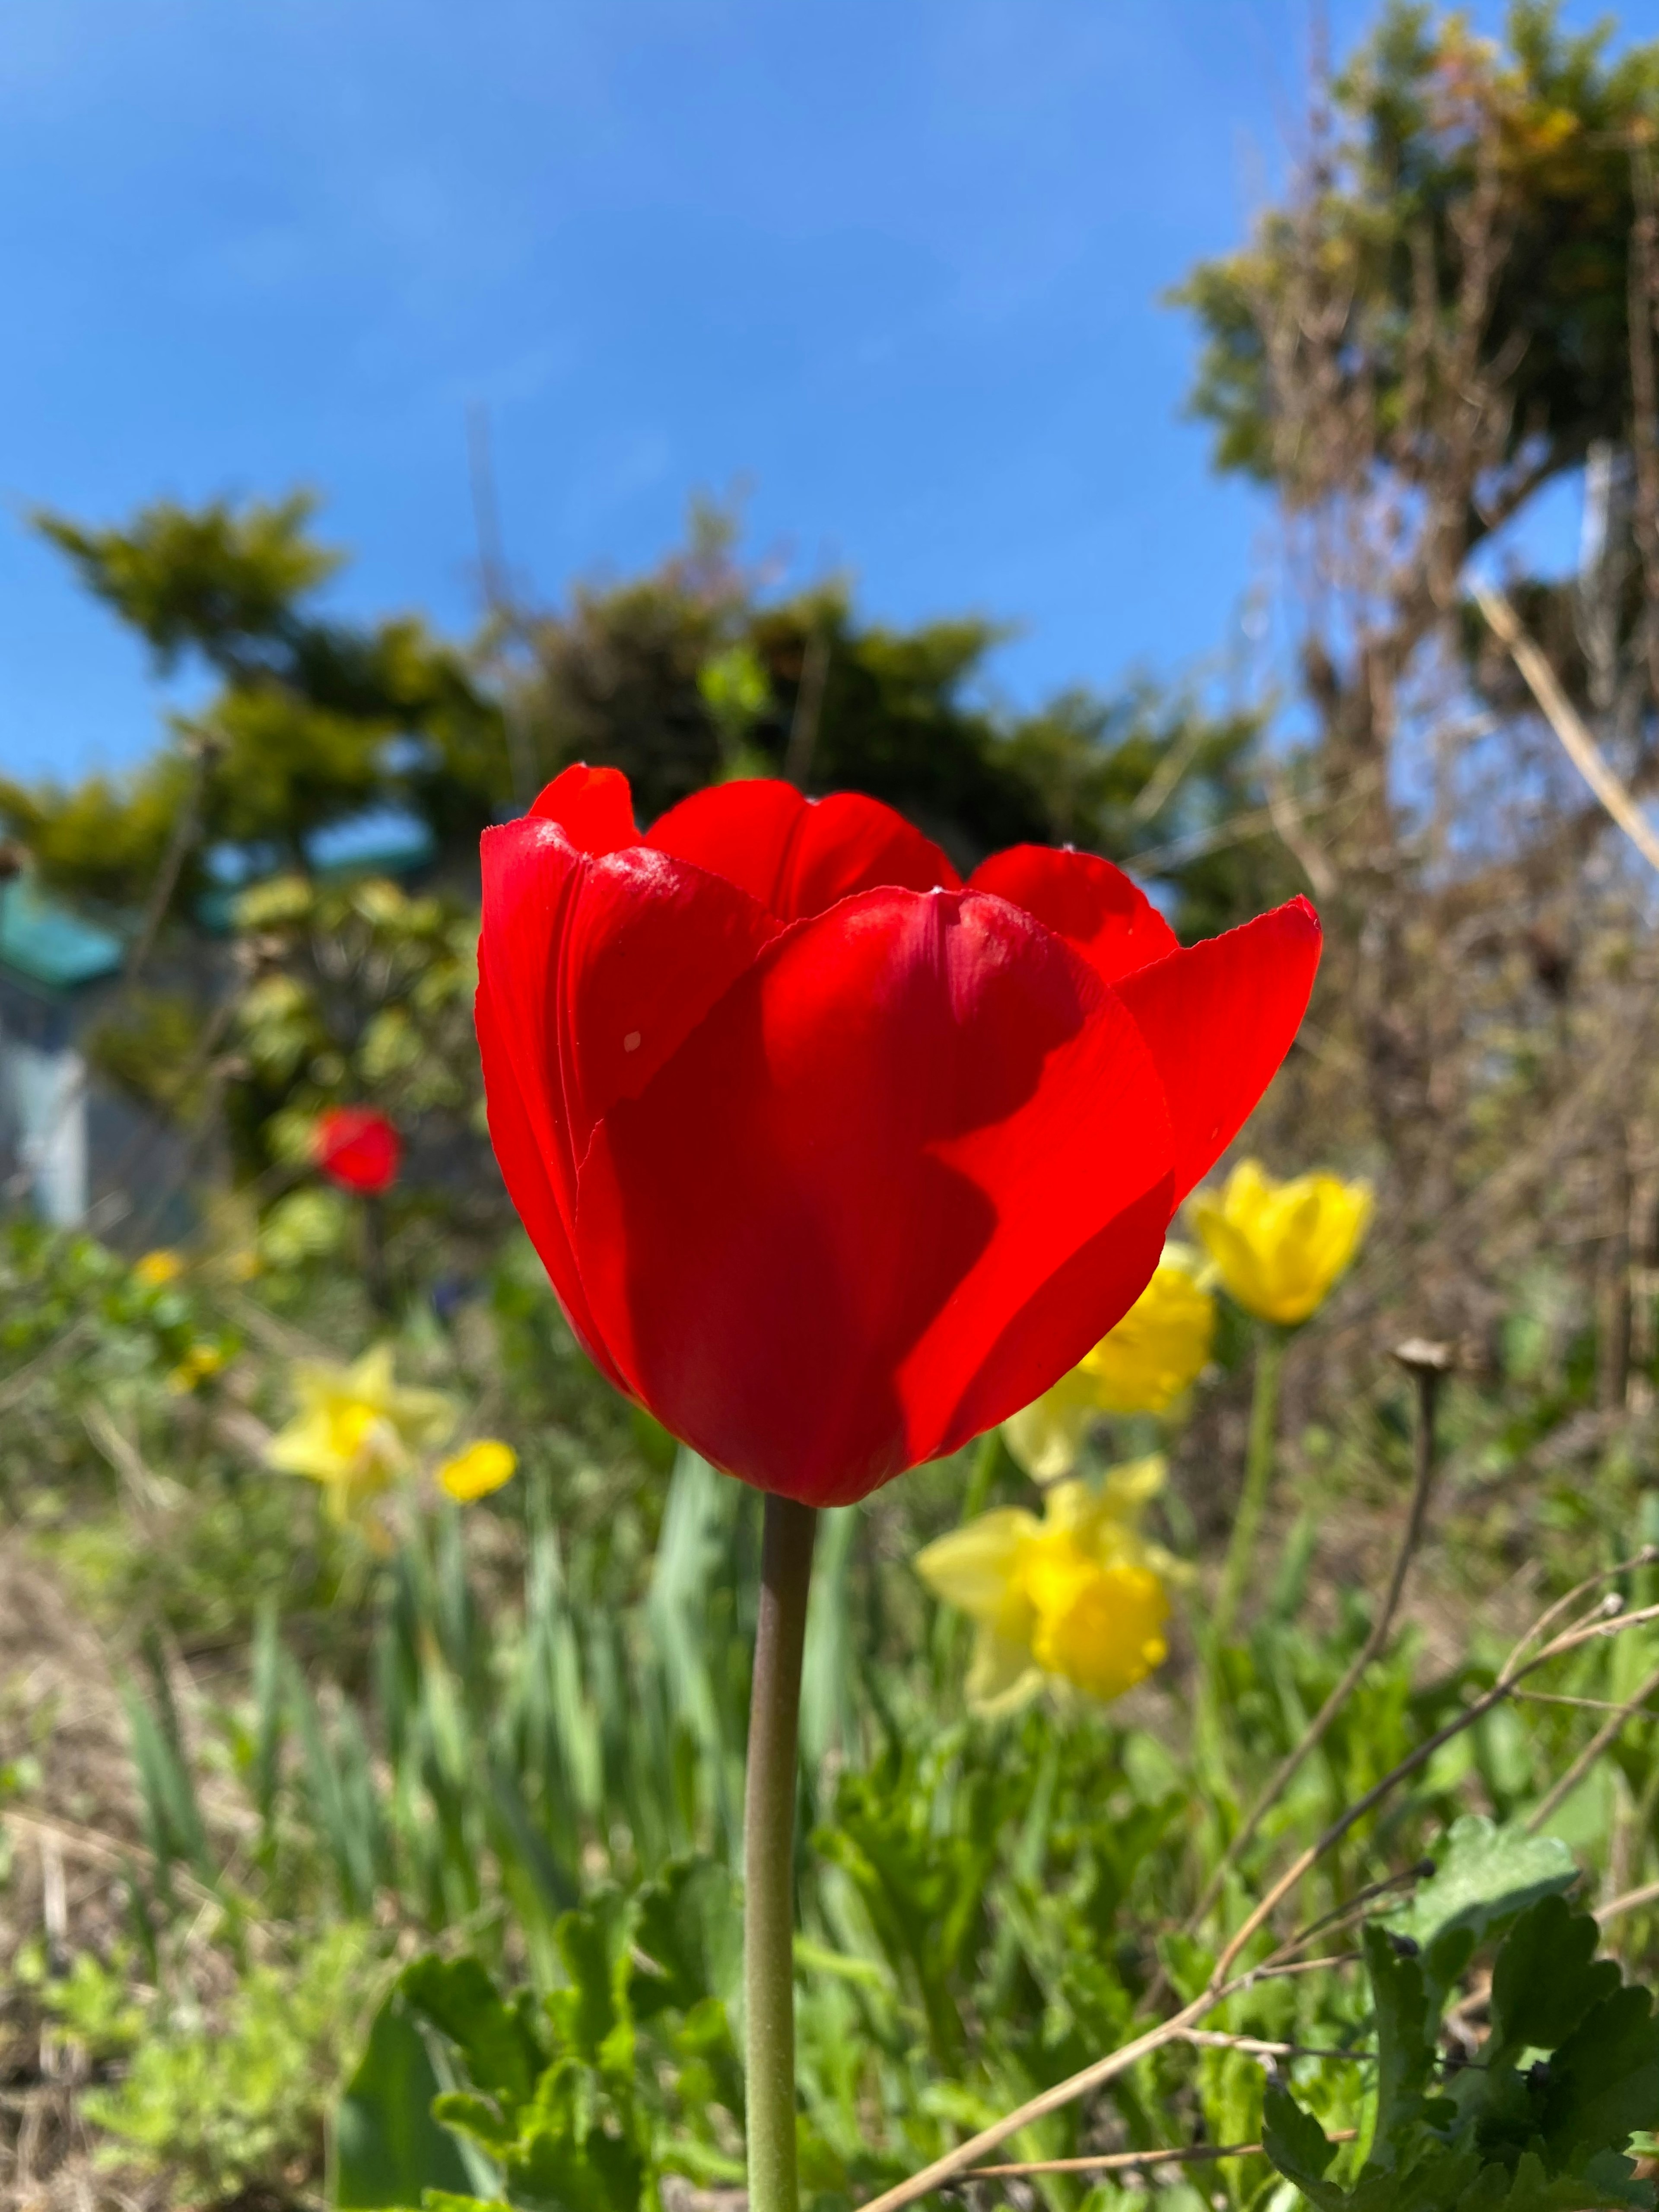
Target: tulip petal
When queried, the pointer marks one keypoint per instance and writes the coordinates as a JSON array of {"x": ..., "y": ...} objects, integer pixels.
[
  {"x": 524, "y": 1170},
  {"x": 1218, "y": 1018},
  {"x": 907, "y": 1170},
  {"x": 593, "y": 806},
  {"x": 1084, "y": 899},
  {"x": 799, "y": 856},
  {"x": 591, "y": 972}
]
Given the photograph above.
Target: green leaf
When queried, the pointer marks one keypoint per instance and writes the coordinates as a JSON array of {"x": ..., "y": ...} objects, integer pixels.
[
  {"x": 691, "y": 1929},
  {"x": 1546, "y": 1978},
  {"x": 1406, "y": 2027},
  {"x": 1603, "y": 2081},
  {"x": 1298, "y": 2145},
  {"x": 599, "y": 2173},
  {"x": 493, "y": 2039},
  {"x": 592, "y": 2015},
  {"x": 387, "y": 2148},
  {"x": 1486, "y": 1875},
  {"x": 1533, "y": 2189},
  {"x": 469, "y": 2114}
]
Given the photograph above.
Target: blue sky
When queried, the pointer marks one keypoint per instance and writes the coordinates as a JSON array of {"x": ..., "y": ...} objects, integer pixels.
[{"x": 895, "y": 264}]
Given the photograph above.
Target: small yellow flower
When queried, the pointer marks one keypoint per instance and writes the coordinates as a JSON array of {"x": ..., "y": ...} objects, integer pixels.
[
  {"x": 356, "y": 1431},
  {"x": 157, "y": 1269},
  {"x": 482, "y": 1467},
  {"x": 1078, "y": 1596},
  {"x": 1279, "y": 1246},
  {"x": 1155, "y": 1351},
  {"x": 203, "y": 1359}
]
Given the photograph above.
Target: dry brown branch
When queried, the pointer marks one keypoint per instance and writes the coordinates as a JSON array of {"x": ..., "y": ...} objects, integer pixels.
[
  {"x": 1113, "y": 2161},
  {"x": 1565, "y": 720},
  {"x": 1642, "y": 307},
  {"x": 1566, "y": 1783},
  {"x": 1630, "y": 1900}
]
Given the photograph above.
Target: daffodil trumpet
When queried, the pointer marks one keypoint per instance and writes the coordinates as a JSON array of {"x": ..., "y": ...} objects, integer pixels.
[{"x": 1076, "y": 1600}]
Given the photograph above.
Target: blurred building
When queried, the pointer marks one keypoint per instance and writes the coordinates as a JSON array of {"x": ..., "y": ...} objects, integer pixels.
[{"x": 51, "y": 963}]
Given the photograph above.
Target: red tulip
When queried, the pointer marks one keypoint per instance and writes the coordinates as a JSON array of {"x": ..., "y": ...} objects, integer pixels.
[
  {"x": 357, "y": 1148},
  {"x": 834, "y": 1162}
]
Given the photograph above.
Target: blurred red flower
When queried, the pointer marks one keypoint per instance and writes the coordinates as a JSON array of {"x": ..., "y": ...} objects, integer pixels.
[
  {"x": 833, "y": 1161},
  {"x": 357, "y": 1148}
]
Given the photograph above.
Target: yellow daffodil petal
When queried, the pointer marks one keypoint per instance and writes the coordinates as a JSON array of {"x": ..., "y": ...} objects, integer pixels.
[
  {"x": 1047, "y": 1436},
  {"x": 483, "y": 1467},
  {"x": 1279, "y": 1247},
  {"x": 1078, "y": 1596},
  {"x": 975, "y": 1568},
  {"x": 1133, "y": 1485},
  {"x": 355, "y": 1425},
  {"x": 1002, "y": 1676},
  {"x": 1158, "y": 1350}
]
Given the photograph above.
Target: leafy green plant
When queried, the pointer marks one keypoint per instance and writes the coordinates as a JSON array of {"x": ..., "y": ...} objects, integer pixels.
[
  {"x": 238, "y": 2102},
  {"x": 1540, "y": 2119}
]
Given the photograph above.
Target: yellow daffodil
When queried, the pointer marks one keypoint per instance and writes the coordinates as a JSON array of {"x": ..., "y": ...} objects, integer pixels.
[
  {"x": 203, "y": 1359},
  {"x": 157, "y": 1269},
  {"x": 1156, "y": 1349},
  {"x": 356, "y": 1431},
  {"x": 1078, "y": 1596},
  {"x": 1279, "y": 1246},
  {"x": 483, "y": 1467}
]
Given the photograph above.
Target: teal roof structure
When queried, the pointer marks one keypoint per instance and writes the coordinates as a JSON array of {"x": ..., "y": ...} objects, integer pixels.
[
  {"x": 385, "y": 842},
  {"x": 46, "y": 943}
]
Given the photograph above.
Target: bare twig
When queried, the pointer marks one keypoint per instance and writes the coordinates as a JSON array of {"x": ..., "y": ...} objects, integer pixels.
[
  {"x": 1428, "y": 1364},
  {"x": 1646, "y": 1558},
  {"x": 1565, "y": 720},
  {"x": 1567, "y": 1783},
  {"x": 1561, "y": 1698},
  {"x": 1642, "y": 307},
  {"x": 1113, "y": 2161},
  {"x": 1630, "y": 1900},
  {"x": 1255, "y": 2046}
]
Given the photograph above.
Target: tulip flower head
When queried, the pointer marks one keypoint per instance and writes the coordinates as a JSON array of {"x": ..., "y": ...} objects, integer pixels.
[
  {"x": 1157, "y": 1351},
  {"x": 1279, "y": 1247},
  {"x": 1077, "y": 1596},
  {"x": 833, "y": 1161},
  {"x": 357, "y": 1148},
  {"x": 480, "y": 1467},
  {"x": 356, "y": 1430}
]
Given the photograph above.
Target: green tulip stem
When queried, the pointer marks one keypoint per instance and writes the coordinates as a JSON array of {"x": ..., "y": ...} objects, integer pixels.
[
  {"x": 1258, "y": 1481},
  {"x": 769, "y": 1855}
]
